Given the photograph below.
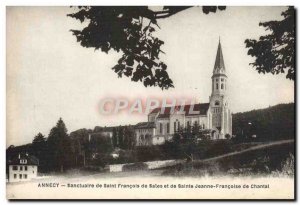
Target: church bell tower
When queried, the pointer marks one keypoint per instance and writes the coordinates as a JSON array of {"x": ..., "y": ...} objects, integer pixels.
[{"x": 220, "y": 115}]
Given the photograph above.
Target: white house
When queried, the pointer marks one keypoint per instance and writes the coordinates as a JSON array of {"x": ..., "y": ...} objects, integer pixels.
[
  {"x": 22, "y": 168},
  {"x": 214, "y": 116}
]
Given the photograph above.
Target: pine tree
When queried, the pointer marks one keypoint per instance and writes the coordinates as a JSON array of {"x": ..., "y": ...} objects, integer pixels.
[
  {"x": 39, "y": 138},
  {"x": 39, "y": 150},
  {"x": 196, "y": 130},
  {"x": 60, "y": 146}
]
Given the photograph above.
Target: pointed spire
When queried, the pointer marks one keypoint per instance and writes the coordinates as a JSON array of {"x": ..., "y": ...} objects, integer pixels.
[{"x": 219, "y": 63}]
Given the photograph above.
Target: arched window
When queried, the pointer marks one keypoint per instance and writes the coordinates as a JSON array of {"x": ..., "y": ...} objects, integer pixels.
[
  {"x": 217, "y": 103},
  {"x": 217, "y": 86},
  {"x": 222, "y": 86}
]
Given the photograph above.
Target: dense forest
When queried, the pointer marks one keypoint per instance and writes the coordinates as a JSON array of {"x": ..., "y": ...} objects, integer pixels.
[{"x": 273, "y": 123}]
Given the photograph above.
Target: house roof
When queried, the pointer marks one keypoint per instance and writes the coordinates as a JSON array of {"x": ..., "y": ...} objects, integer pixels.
[
  {"x": 24, "y": 159},
  {"x": 202, "y": 107},
  {"x": 145, "y": 125}
]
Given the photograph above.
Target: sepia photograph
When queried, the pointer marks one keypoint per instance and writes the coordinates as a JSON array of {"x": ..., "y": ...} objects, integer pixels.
[{"x": 150, "y": 102}]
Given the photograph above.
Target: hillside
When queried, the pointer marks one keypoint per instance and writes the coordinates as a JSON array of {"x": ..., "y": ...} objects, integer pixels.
[
  {"x": 273, "y": 123},
  {"x": 271, "y": 157}
]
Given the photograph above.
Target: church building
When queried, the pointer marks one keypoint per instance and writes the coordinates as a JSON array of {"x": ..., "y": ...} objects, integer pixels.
[{"x": 214, "y": 117}]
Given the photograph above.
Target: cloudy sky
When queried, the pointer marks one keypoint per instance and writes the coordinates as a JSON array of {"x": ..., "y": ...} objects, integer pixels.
[{"x": 49, "y": 75}]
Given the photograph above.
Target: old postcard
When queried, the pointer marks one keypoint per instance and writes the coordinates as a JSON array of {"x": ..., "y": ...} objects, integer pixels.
[{"x": 143, "y": 102}]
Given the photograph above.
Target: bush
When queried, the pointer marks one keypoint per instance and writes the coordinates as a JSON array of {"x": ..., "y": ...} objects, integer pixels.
[
  {"x": 150, "y": 153},
  {"x": 288, "y": 166},
  {"x": 125, "y": 156},
  {"x": 101, "y": 160},
  {"x": 227, "y": 136},
  {"x": 216, "y": 148},
  {"x": 135, "y": 167}
]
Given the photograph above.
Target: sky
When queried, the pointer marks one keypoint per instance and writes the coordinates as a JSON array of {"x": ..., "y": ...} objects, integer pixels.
[{"x": 49, "y": 75}]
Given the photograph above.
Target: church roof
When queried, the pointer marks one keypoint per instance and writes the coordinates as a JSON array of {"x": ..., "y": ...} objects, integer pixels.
[
  {"x": 144, "y": 125},
  {"x": 219, "y": 63},
  {"x": 202, "y": 107}
]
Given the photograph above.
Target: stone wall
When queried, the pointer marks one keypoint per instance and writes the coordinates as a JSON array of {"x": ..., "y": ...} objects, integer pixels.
[{"x": 150, "y": 165}]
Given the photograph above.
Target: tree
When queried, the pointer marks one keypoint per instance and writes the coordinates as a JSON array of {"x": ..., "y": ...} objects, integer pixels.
[
  {"x": 114, "y": 137},
  {"x": 82, "y": 136},
  {"x": 39, "y": 138},
  {"x": 131, "y": 31},
  {"x": 189, "y": 128},
  {"x": 180, "y": 130},
  {"x": 60, "y": 147},
  {"x": 275, "y": 52},
  {"x": 101, "y": 144},
  {"x": 11, "y": 147},
  {"x": 227, "y": 136},
  {"x": 77, "y": 151},
  {"x": 39, "y": 149},
  {"x": 128, "y": 137},
  {"x": 196, "y": 129},
  {"x": 121, "y": 136}
]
